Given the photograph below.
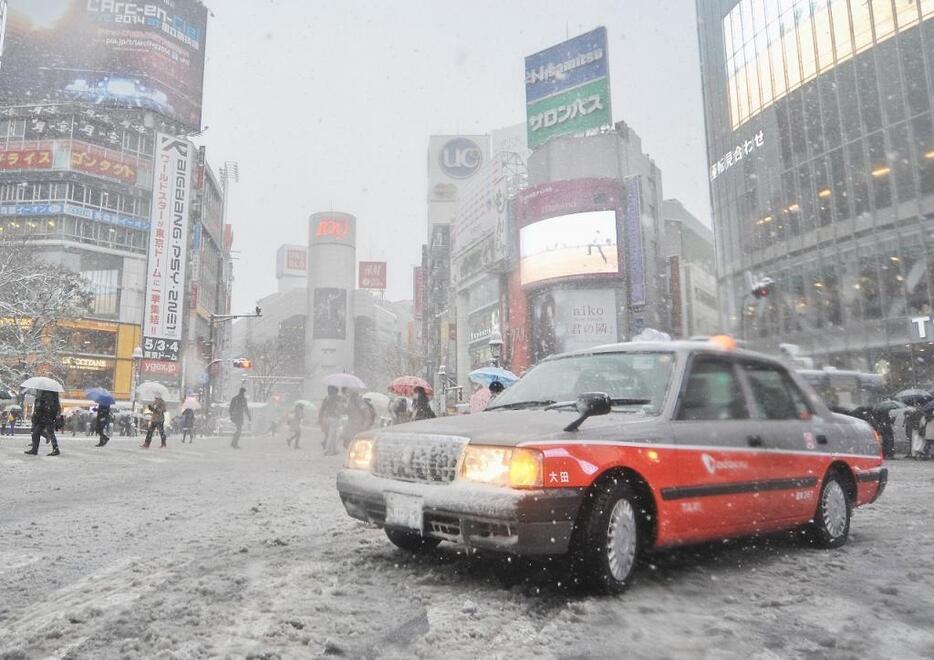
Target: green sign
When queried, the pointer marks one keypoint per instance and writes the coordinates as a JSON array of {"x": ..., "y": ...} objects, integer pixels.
[{"x": 575, "y": 111}]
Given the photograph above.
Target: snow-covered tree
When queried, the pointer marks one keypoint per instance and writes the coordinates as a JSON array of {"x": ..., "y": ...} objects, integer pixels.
[{"x": 34, "y": 297}]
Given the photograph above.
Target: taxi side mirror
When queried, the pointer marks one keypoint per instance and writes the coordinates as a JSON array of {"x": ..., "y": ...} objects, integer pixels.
[{"x": 590, "y": 404}]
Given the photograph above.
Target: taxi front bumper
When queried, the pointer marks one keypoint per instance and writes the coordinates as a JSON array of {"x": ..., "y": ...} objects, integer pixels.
[{"x": 526, "y": 522}]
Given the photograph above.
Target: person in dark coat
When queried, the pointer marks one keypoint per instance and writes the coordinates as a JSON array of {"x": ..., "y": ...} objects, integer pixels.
[
  {"x": 421, "y": 405},
  {"x": 188, "y": 425},
  {"x": 156, "y": 422},
  {"x": 102, "y": 425},
  {"x": 45, "y": 414},
  {"x": 239, "y": 409}
]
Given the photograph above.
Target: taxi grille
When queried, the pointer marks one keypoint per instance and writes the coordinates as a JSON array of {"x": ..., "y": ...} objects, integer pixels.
[{"x": 418, "y": 458}]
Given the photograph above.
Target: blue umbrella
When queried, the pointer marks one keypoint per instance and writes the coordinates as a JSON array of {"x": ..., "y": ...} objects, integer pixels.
[
  {"x": 100, "y": 396},
  {"x": 486, "y": 375}
]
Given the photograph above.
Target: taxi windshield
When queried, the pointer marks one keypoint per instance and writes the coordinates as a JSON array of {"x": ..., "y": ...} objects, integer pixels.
[{"x": 642, "y": 375}]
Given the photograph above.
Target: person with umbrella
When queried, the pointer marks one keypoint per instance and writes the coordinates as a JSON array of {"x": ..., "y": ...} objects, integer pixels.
[
  {"x": 238, "y": 409},
  {"x": 156, "y": 421},
  {"x": 45, "y": 414},
  {"x": 104, "y": 401},
  {"x": 421, "y": 405}
]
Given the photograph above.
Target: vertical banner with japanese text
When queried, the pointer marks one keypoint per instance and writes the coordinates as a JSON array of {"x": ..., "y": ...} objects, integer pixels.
[{"x": 168, "y": 248}]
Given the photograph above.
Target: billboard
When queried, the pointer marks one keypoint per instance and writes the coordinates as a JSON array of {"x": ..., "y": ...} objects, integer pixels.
[
  {"x": 418, "y": 292},
  {"x": 568, "y": 246},
  {"x": 567, "y": 88},
  {"x": 336, "y": 229},
  {"x": 147, "y": 54},
  {"x": 372, "y": 275},
  {"x": 572, "y": 319},
  {"x": 330, "y": 313},
  {"x": 453, "y": 160},
  {"x": 292, "y": 261},
  {"x": 168, "y": 248}
]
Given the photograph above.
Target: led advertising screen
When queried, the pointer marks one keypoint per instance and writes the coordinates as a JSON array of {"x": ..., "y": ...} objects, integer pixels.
[
  {"x": 147, "y": 55},
  {"x": 569, "y": 246}
]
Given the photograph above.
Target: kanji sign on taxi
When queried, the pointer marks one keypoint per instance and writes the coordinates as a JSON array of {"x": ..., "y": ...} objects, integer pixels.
[{"x": 372, "y": 275}]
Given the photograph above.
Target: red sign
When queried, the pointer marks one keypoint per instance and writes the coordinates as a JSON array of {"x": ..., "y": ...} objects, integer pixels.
[
  {"x": 160, "y": 368},
  {"x": 87, "y": 159},
  {"x": 334, "y": 227},
  {"x": 296, "y": 260},
  {"x": 372, "y": 275},
  {"x": 26, "y": 159},
  {"x": 418, "y": 292}
]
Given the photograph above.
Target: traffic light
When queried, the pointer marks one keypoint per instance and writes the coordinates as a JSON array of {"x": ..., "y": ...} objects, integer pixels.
[
  {"x": 243, "y": 363},
  {"x": 762, "y": 288}
]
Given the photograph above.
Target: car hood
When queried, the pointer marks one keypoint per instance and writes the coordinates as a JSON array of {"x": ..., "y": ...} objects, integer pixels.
[{"x": 514, "y": 427}]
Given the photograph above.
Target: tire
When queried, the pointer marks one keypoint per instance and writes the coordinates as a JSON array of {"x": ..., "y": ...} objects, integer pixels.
[
  {"x": 411, "y": 541},
  {"x": 830, "y": 527},
  {"x": 609, "y": 537}
]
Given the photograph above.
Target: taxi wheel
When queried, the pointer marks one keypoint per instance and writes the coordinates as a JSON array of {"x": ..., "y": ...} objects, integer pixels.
[
  {"x": 411, "y": 541},
  {"x": 831, "y": 525},
  {"x": 609, "y": 537}
]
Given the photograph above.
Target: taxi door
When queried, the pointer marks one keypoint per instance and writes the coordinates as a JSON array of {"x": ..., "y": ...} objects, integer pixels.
[
  {"x": 792, "y": 437},
  {"x": 716, "y": 441}
]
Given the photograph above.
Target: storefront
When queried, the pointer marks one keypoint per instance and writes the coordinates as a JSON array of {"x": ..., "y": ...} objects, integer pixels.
[{"x": 98, "y": 354}]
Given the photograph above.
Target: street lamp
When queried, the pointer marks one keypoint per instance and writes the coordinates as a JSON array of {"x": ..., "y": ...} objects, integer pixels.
[
  {"x": 496, "y": 348},
  {"x": 137, "y": 356}
]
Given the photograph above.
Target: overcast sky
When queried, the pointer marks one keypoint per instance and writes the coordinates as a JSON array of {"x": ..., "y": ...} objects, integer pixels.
[{"x": 328, "y": 105}]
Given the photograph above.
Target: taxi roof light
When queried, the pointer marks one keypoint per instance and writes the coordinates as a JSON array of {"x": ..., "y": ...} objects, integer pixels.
[{"x": 726, "y": 342}]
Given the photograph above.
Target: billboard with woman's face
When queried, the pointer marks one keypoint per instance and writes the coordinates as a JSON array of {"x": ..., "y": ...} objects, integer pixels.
[{"x": 569, "y": 246}]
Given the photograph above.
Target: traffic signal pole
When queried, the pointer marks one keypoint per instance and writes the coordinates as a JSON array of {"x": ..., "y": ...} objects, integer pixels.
[{"x": 209, "y": 385}]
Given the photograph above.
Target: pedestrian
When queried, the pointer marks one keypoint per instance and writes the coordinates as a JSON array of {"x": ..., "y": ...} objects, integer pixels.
[
  {"x": 11, "y": 421},
  {"x": 496, "y": 388},
  {"x": 360, "y": 415},
  {"x": 102, "y": 425},
  {"x": 238, "y": 409},
  {"x": 45, "y": 413},
  {"x": 329, "y": 414},
  {"x": 295, "y": 425},
  {"x": 188, "y": 425},
  {"x": 399, "y": 409},
  {"x": 421, "y": 405},
  {"x": 156, "y": 421},
  {"x": 927, "y": 446}
]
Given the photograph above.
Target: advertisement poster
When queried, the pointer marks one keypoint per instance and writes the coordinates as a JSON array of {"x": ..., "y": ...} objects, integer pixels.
[
  {"x": 567, "y": 88},
  {"x": 330, "y": 314},
  {"x": 566, "y": 320},
  {"x": 569, "y": 246},
  {"x": 292, "y": 261},
  {"x": 147, "y": 55},
  {"x": 168, "y": 248}
]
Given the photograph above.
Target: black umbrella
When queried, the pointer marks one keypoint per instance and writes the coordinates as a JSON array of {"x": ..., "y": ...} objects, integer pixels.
[
  {"x": 5, "y": 394},
  {"x": 914, "y": 397},
  {"x": 887, "y": 405}
]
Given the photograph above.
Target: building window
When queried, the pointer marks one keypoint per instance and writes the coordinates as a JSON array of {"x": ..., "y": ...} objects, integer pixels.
[{"x": 104, "y": 285}]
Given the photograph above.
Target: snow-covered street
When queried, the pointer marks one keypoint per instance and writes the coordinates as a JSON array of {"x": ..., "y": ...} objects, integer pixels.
[{"x": 201, "y": 551}]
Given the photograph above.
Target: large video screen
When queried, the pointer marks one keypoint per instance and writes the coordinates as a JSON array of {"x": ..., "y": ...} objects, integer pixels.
[
  {"x": 568, "y": 246},
  {"x": 147, "y": 55}
]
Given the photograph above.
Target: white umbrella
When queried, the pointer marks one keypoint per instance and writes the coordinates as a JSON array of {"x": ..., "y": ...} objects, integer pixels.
[
  {"x": 149, "y": 390},
  {"x": 379, "y": 400},
  {"x": 191, "y": 403},
  {"x": 344, "y": 380},
  {"x": 43, "y": 383}
]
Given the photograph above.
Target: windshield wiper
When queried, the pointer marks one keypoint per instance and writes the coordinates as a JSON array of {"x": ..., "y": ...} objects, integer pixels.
[
  {"x": 521, "y": 404},
  {"x": 615, "y": 402}
]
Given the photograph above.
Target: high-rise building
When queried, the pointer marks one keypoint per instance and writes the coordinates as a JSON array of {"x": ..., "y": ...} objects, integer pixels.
[
  {"x": 85, "y": 89},
  {"x": 821, "y": 166}
]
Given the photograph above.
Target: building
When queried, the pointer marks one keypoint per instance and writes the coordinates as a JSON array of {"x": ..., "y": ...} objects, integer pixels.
[
  {"x": 688, "y": 249},
  {"x": 77, "y": 149},
  {"x": 821, "y": 165}
]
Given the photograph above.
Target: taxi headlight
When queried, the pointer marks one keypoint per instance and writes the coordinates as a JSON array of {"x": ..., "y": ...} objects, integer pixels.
[
  {"x": 360, "y": 454},
  {"x": 502, "y": 466}
]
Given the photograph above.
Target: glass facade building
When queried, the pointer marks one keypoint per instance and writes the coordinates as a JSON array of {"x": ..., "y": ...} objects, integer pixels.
[{"x": 821, "y": 166}]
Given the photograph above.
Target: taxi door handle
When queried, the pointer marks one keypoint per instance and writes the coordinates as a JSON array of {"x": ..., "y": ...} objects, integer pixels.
[
  {"x": 754, "y": 440},
  {"x": 822, "y": 439}
]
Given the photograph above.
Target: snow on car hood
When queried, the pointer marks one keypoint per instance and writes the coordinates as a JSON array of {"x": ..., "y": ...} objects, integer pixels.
[{"x": 514, "y": 427}]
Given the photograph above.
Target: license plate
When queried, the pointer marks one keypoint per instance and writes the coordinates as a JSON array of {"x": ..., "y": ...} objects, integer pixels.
[{"x": 404, "y": 511}]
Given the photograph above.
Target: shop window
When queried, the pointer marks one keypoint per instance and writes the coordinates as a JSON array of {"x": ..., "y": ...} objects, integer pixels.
[
  {"x": 85, "y": 341},
  {"x": 806, "y": 205},
  {"x": 812, "y": 118},
  {"x": 915, "y": 271},
  {"x": 916, "y": 87},
  {"x": 879, "y": 171},
  {"x": 824, "y": 193},
  {"x": 857, "y": 177},
  {"x": 923, "y": 137},
  {"x": 828, "y": 102},
  {"x": 849, "y": 101},
  {"x": 870, "y": 293},
  {"x": 799, "y": 141},
  {"x": 838, "y": 177},
  {"x": 868, "y": 93},
  {"x": 890, "y": 82},
  {"x": 900, "y": 159},
  {"x": 86, "y": 378}
]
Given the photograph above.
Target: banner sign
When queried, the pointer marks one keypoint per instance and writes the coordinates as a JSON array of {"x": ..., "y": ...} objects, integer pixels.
[
  {"x": 168, "y": 248},
  {"x": 632, "y": 234},
  {"x": 160, "y": 368},
  {"x": 88, "y": 159},
  {"x": 567, "y": 88},
  {"x": 76, "y": 211},
  {"x": 26, "y": 159},
  {"x": 418, "y": 292},
  {"x": 372, "y": 275}
]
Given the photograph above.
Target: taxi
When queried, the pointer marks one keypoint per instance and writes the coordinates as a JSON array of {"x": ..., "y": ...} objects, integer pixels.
[{"x": 603, "y": 454}]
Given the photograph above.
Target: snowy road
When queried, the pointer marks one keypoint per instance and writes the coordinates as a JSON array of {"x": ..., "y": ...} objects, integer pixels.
[{"x": 202, "y": 551}]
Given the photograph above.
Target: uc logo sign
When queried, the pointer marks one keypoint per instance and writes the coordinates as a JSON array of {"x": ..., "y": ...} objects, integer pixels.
[
  {"x": 460, "y": 158},
  {"x": 332, "y": 228}
]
